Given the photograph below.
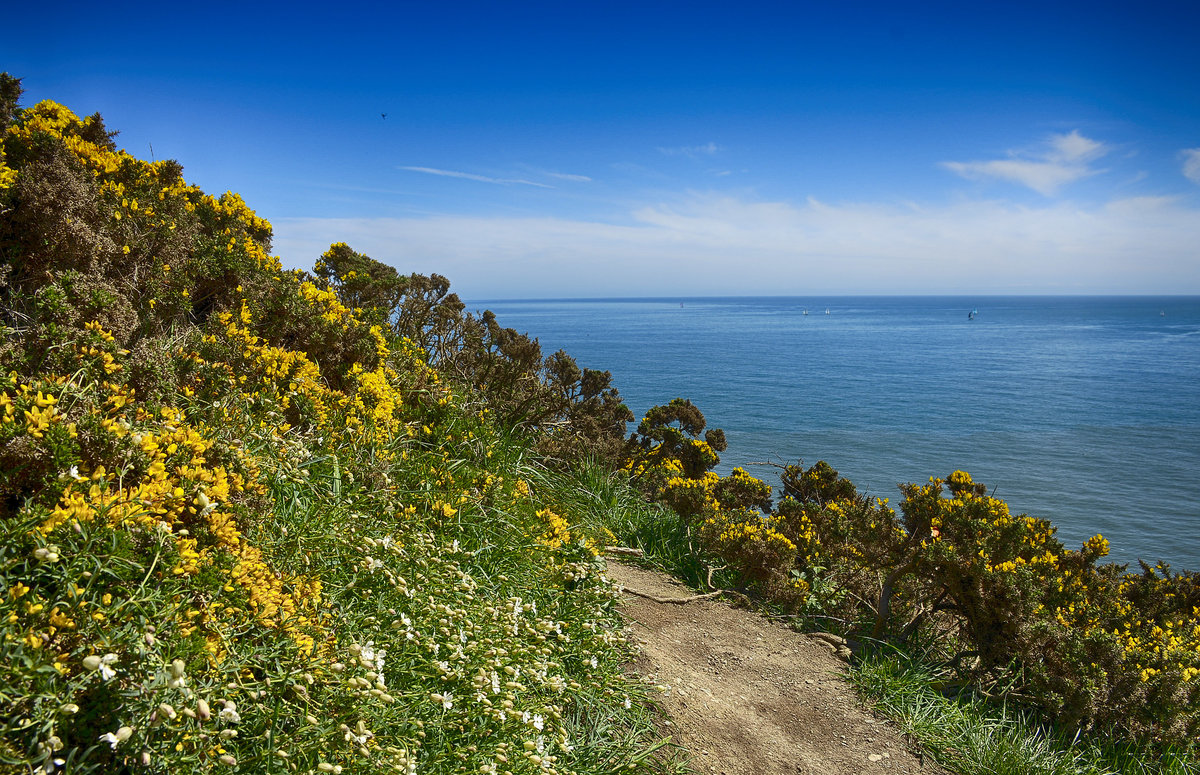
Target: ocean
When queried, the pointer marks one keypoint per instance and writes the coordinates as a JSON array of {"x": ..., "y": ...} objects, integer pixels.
[{"x": 1082, "y": 410}]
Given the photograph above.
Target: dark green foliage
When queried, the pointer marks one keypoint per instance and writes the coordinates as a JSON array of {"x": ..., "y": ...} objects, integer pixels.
[
  {"x": 567, "y": 412},
  {"x": 673, "y": 431},
  {"x": 10, "y": 97},
  {"x": 817, "y": 485},
  {"x": 362, "y": 282}
]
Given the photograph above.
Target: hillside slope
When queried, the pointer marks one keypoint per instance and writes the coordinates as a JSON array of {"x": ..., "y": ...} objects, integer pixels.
[{"x": 244, "y": 527}]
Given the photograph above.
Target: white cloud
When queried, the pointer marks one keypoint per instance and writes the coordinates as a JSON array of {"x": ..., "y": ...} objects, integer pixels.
[
  {"x": 1066, "y": 158},
  {"x": 570, "y": 177},
  {"x": 710, "y": 244},
  {"x": 691, "y": 151},
  {"x": 1074, "y": 148},
  {"x": 1191, "y": 164},
  {"x": 472, "y": 176}
]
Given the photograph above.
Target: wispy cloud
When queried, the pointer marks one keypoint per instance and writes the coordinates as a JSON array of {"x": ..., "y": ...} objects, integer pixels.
[
  {"x": 1191, "y": 164},
  {"x": 715, "y": 244},
  {"x": 1063, "y": 159},
  {"x": 472, "y": 176},
  {"x": 570, "y": 177},
  {"x": 691, "y": 151}
]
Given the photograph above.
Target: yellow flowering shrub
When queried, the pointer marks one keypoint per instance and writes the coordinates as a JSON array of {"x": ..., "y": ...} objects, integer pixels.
[
  {"x": 728, "y": 516},
  {"x": 1008, "y": 604},
  {"x": 244, "y": 525}
]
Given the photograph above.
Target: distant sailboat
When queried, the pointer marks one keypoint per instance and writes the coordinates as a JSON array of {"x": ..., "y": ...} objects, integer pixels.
[
  {"x": 971, "y": 315},
  {"x": 806, "y": 310},
  {"x": 827, "y": 310}
]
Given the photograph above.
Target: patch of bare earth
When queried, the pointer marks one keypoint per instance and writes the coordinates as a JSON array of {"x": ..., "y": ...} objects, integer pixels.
[{"x": 749, "y": 697}]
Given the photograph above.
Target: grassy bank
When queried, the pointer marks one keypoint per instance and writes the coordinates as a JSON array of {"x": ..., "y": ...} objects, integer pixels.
[
  {"x": 962, "y": 731},
  {"x": 969, "y": 735},
  {"x": 245, "y": 527}
]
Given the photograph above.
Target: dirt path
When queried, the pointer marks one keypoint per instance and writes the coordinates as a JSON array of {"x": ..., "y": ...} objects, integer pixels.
[{"x": 748, "y": 697}]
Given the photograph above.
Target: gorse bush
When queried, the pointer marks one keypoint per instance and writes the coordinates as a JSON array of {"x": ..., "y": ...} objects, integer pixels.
[
  {"x": 728, "y": 516},
  {"x": 1012, "y": 610},
  {"x": 567, "y": 412},
  {"x": 993, "y": 598},
  {"x": 246, "y": 524}
]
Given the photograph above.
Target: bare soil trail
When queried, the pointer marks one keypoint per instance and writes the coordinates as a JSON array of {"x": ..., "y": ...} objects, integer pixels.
[{"x": 749, "y": 697}]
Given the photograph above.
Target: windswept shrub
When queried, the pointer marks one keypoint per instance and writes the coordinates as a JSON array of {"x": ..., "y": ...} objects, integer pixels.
[
  {"x": 728, "y": 516},
  {"x": 568, "y": 413},
  {"x": 1000, "y": 599},
  {"x": 244, "y": 528}
]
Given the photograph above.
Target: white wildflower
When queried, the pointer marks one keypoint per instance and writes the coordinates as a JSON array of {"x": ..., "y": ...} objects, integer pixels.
[
  {"x": 229, "y": 713},
  {"x": 49, "y": 766},
  {"x": 103, "y": 664},
  {"x": 177, "y": 679},
  {"x": 115, "y": 739}
]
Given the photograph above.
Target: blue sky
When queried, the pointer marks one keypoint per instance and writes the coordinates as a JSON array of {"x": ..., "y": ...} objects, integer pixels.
[{"x": 581, "y": 149}]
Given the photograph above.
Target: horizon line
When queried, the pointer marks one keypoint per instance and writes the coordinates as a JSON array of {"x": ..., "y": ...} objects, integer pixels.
[{"x": 523, "y": 299}]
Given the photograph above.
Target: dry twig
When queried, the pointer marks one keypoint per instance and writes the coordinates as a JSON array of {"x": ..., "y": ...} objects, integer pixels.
[{"x": 675, "y": 600}]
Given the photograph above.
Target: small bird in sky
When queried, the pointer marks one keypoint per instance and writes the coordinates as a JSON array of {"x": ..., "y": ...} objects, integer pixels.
[{"x": 383, "y": 115}]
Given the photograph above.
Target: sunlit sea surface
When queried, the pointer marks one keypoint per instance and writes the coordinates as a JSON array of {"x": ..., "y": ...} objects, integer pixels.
[{"x": 1083, "y": 410}]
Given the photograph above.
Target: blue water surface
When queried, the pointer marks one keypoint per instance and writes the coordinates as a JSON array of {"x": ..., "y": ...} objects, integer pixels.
[{"x": 1083, "y": 410}]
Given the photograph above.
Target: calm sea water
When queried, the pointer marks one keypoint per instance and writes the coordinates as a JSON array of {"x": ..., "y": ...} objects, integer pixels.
[{"x": 1085, "y": 411}]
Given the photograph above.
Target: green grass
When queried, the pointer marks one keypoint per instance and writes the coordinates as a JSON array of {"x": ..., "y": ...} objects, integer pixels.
[
  {"x": 966, "y": 735},
  {"x": 609, "y": 508},
  {"x": 453, "y": 630},
  {"x": 971, "y": 736}
]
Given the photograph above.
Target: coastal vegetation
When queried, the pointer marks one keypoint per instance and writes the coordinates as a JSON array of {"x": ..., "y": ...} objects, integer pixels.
[
  {"x": 263, "y": 520},
  {"x": 256, "y": 520},
  {"x": 992, "y": 597}
]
